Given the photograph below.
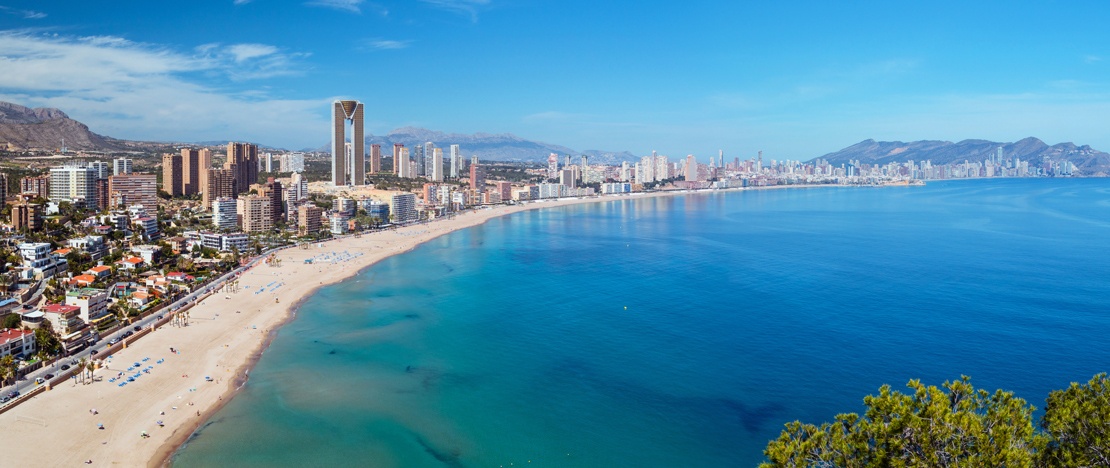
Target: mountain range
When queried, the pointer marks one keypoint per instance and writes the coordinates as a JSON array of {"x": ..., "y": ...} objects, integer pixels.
[
  {"x": 1087, "y": 160},
  {"x": 487, "y": 146},
  {"x": 43, "y": 127}
]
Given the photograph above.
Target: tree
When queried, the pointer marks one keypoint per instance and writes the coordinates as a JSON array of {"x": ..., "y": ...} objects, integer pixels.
[
  {"x": 47, "y": 341},
  {"x": 1077, "y": 420},
  {"x": 12, "y": 321},
  {"x": 954, "y": 426},
  {"x": 7, "y": 368}
]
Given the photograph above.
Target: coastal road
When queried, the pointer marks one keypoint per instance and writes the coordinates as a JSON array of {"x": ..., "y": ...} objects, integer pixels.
[{"x": 28, "y": 383}]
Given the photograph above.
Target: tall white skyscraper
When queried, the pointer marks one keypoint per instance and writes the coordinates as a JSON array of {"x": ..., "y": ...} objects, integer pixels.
[
  {"x": 429, "y": 149},
  {"x": 403, "y": 162},
  {"x": 437, "y": 165},
  {"x": 456, "y": 161},
  {"x": 342, "y": 112}
]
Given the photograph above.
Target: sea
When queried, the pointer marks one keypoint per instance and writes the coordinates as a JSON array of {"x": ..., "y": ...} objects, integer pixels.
[{"x": 678, "y": 331}]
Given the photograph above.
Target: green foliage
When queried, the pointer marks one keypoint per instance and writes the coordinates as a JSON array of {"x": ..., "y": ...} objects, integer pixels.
[
  {"x": 11, "y": 321},
  {"x": 47, "y": 341},
  {"x": 1078, "y": 422},
  {"x": 956, "y": 426}
]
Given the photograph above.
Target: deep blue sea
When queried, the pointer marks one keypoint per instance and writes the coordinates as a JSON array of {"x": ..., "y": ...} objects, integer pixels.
[{"x": 679, "y": 331}]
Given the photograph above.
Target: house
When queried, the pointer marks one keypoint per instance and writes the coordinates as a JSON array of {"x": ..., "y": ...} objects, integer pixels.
[
  {"x": 180, "y": 277},
  {"x": 131, "y": 263},
  {"x": 93, "y": 245},
  {"x": 62, "y": 252},
  {"x": 93, "y": 304},
  {"x": 149, "y": 253},
  {"x": 82, "y": 280},
  {"x": 140, "y": 298},
  {"x": 178, "y": 243},
  {"x": 39, "y": 262},
  {"x": 99, "y": 271},
  {"x": 17, "y": 343}
]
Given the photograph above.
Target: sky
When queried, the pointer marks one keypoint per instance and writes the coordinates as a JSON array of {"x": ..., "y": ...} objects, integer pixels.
[{"x": 795, "y": 79}]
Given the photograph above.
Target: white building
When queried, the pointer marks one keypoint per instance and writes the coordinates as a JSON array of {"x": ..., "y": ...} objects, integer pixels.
[
  {"x": 224, "y": 214},
  {"x": 402, "y": 206},
  {"x": 39, "y": 260},
  {"x": 75, "y": 183},
  {"x": 456, "y": 161},
  {"x": 121, "y": 166}
]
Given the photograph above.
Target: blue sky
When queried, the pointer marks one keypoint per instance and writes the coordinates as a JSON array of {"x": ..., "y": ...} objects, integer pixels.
[{"x": 794, "y": 79}]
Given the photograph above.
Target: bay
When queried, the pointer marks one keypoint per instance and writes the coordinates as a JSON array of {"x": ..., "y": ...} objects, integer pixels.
[{"x": 678, "y": 331}]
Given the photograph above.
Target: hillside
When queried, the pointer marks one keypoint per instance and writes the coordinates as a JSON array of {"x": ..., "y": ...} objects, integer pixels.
[{"x": 44, "y": 128}]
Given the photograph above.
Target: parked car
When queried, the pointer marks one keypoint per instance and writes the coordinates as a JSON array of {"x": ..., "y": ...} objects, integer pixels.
[
  {"x": 113, "y": 341},
  {"x": 5, "y": 399},
  {"x": 65, "y": 366},
  {"x": 93, "y": 352},
  {"x": 137, "y": 328},
  {"x": 13, "y": 394},
  {"x": 49, "y": 376},
  {"x": 39, "y": 380}
]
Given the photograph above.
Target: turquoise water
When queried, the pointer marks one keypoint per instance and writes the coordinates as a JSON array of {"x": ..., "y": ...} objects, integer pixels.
[{"x": 678, "y": 331}]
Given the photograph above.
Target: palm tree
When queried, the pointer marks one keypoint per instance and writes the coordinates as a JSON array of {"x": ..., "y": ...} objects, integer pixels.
[
  {"x": 81, "y": 366},
  {"x": 89, "y": 367},
  {"x": 7, "y": 368}
]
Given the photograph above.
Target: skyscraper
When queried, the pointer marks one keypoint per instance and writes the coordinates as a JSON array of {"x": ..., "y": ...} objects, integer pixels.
[
  {"x": 242, "y": 160},
  {"x": 429, "y": 158},
  {"x": 404, "y": 162},
  {"x": 437, "y": 165},
  {"x": 418, "y": 158},
  {"x": 75, "y": 183},
  {"x": 397, "y": 159},
  {"x": 691, "y": 168},
  {"x": 375, "y": 158},
  {"x": 456, "y": 161},
  {"x": 190, "y": 171},
  {"x": 221, "y": 183},
  {"x": 343, "y": 111},
  {"x": 552, "y": 166},
  {"x": 477, "y": 176},
  {"x": 171, "y": 175}
]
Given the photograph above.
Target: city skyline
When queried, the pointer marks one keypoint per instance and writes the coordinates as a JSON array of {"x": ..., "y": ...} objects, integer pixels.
[{"x": 635, "y": 77}]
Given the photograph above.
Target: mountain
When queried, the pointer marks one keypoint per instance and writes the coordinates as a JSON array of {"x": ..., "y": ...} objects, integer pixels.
[
  {"x": 1087, "y": 160},
  {"x": 487, "y": 146},
  {"x": 23, "y": 127}
]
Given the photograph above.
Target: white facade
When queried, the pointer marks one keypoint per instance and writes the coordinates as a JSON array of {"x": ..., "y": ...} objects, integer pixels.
[
  {"x": 75, "y": 183},
  {"x": 224, "y": 214},
  {"x": 402, "y": 207}
]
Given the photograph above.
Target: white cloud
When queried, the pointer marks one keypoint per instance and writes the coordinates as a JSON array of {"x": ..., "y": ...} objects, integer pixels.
[
  {"x": 351, "y": 6},
  {"x": 385, "y": 44},
  {"x": 463, "y": 7},
  {"x": 242, "y": 2},
  {"x": 143, "y": 91},
  {"x": 26, "y": 14}
]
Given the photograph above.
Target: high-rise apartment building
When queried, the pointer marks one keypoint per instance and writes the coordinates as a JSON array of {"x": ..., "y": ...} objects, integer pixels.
[
  {"x": 75, "y": 183},
  {"x": 342, "y": 112},
  {"x": 121, "y": 166},
  {"x": 103, "y": 169},
  {"x": 192, "y": 167},
  {"x": 402, "y": 207},
  {"x": 505, "y": 189},
  {"x": 221, "y": 183},
  {"x": 691, "y": 168},
  {"x": 397, "y": 165},
  {"x": 429, "y": 158},
  {"x": 375, "y": 158},
  {"x": 133, "y": 189},
  {"x": 255, "y": 213},
  {"x": 308, "y": 218},
  {"x": 437, "y": 165},
  {"x": 273, "y": 190},
  {"x": 456, "y": 161},
  {"x": 242, "y": 160},
  {"x": 552, "y": 166},
  {"x": 172, "y": 181},
  {"x": 405, "y": 163},
  {"x": 26, "y": 217},
  {"x": 225, "y": 216},
  {"x": 38, "y": 186},
  {"x": 477, "y": 176}
]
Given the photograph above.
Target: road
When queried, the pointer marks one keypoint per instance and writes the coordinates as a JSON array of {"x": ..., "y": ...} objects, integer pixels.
[{"x": 97, "y": 349}]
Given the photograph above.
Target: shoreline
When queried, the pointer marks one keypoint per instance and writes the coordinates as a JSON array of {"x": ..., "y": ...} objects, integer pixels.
[{"x": 59, "y": 417}]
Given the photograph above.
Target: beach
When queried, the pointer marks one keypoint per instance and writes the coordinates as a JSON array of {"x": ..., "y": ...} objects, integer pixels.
[{"x": 144, "y": 421}]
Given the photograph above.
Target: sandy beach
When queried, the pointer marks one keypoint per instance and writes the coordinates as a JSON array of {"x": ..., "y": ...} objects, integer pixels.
[{"x": 227, "y": 333}]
